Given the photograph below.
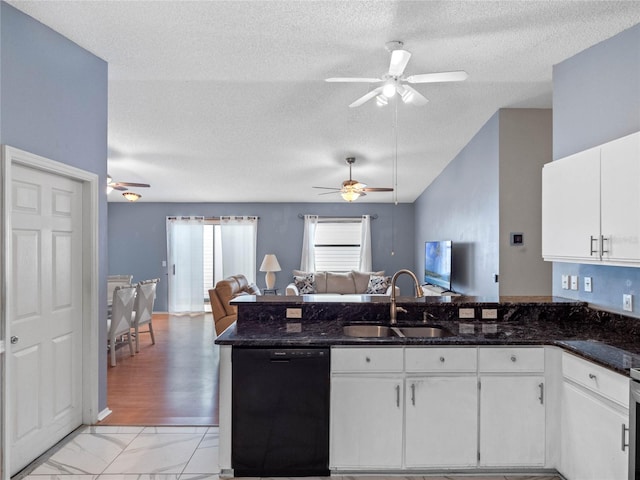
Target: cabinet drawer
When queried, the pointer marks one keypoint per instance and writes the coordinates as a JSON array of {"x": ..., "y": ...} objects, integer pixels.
[
  {"x": 596, "y": 378},
  {"x": 505, "y": 360},
  {"x": 367, "y": 359},
  {"x": 427, "y": 359}
]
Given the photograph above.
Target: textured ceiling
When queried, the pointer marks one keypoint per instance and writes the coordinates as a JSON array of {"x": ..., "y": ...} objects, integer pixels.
[{"x": 224, "y": 101}]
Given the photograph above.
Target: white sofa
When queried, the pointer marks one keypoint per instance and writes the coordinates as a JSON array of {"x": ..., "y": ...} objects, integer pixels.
[{"x": 344, "y": 283}]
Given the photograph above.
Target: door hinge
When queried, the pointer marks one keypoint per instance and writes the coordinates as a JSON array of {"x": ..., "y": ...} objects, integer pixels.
[
  {"x": 479, "y": 385},
  {"x": 478, "y": 456}
]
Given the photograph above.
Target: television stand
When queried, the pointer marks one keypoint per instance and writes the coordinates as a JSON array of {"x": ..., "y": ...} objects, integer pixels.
[{"x": 434, "y": 291}]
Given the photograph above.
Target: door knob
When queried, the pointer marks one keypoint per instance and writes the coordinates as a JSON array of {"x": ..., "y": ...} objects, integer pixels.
[{"x": 14, "y": 340}]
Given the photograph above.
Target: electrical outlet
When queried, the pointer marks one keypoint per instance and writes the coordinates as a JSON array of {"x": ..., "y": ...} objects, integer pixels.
[
  {"x": 466, "y": 313},
  {"x": 587, "y": 284},
  {"x": 574, "y": 282},
  {"x": 490, "y": 313},
  {"x": 565, "y": 282},
  {"x": 294, "y": 313},
  {"x": 627, "y": 302}
]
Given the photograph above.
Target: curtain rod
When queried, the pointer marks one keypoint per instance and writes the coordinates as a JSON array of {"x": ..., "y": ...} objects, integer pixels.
[
  {"x": 186, "y": 217},
  {"x": 373, "y": 217}
]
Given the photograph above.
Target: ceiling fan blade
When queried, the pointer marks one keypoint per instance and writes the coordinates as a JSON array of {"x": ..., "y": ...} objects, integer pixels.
[
  {"x": 414, "y": 96},
  {"x": 353, "y": 80},
  {"x": 329, "y": 193},
  {"x": 399, "y": 60},
  {"x": 366, "y": 97},
  {"x": 457, "y": 76},
  {"x": 117, "y": 186},
  {"x": 377, "y": 189},
  {"x": 328, "y": 188},
  {"x": 131, "y": 184}
]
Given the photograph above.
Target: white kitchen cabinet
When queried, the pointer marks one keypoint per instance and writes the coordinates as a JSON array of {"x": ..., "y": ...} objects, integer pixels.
[
  {"x": 571, "y": 207},
  {"x": 595, "y": 417},
  {"x": 366, "y": 422},
  {"x": 591, "y": 205},
  {"x": 512, "y": 420},
  {"x": 620, "y": 205},
  {"x": 441, "y": 421},
  {"x": 592, "y": 437},
  {"x": 512, "y": 407}
]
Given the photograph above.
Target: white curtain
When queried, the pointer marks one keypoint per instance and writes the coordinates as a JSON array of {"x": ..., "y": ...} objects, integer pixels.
[
  {"x": 184, "y": 246},
  {"x": 365, "y": 244},
  {"x": 239, "y": 239},
  {"x": 308, "y": 258}
]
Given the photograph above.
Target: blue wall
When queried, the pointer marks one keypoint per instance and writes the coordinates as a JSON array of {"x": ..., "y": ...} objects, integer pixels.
[
  {"x": 462, "y": 205},
  {"x": 138, "y": 240},
  {"x": 53, "y": 102},
  {"x": 596, "y": 98}
]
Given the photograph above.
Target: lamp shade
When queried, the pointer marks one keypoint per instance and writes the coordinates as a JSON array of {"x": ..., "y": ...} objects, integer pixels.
[{"x": 270, "y": 263}]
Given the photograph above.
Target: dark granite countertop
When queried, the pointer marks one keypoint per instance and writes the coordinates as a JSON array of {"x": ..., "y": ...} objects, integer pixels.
[{"x": 607, "y": 339}]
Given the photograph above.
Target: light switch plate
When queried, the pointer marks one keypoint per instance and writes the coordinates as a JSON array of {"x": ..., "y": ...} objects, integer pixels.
[
  {"x": 466, "y": 313},
  {"x": 587, "y": 284},
  {"x": 627, "y": 302},
  {"x": 565, "y": 282},
  {"x": 574, "y": 282},
  {"x": 489, "y": 313}
]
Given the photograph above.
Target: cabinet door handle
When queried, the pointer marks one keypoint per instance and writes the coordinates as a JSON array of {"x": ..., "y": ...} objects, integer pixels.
[
  {"x": 541, "y": 397},
  {"x": 624, "y": 437},
  {"x": 413, "y": 394},
  {"x": 591, "y": 249},
  {"x": 513, "y": 358},
  {"x": 602, "y": 240},
  {"x": 398, "y": 396}
]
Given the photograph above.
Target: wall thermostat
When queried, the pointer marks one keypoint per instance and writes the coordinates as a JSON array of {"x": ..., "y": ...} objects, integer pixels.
[{"x": 517, "y": 238}]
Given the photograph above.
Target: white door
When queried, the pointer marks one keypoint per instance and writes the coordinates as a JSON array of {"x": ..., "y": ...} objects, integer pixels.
[
  {"x": 621, "y": 199},
  {"x": 366, "y": 422},
  {"x": 571, "y": 207},
  {"x": 45, "y": 318},
  {"x": 441, "y": 421},
  {"x": 512, "y": 421}
]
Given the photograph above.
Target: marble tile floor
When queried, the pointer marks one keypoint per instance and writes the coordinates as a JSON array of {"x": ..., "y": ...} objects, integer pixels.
[{"x": 157, "y": 453}]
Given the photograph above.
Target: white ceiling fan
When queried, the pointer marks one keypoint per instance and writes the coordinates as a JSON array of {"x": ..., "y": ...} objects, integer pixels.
[{"x": 394, "y": 81}]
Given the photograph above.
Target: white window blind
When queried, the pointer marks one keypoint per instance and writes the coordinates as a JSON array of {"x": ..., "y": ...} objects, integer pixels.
[{"x": 337, "y": 245}]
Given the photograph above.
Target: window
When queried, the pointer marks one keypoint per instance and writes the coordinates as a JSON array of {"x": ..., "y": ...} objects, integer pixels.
[{"x": 337, "y": 245}]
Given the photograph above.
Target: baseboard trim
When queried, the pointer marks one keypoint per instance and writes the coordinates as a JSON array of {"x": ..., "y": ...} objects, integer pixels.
[{"x": 104, "y": 414}]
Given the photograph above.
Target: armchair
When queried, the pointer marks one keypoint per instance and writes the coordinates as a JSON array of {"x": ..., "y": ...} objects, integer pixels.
[{"x": 224, "y": 314}]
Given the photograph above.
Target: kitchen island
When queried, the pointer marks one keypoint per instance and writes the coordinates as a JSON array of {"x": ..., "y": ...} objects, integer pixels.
[{"x": 489, "y": 397}]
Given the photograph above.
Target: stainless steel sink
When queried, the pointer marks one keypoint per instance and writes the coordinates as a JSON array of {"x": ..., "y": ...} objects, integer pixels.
[
  {"x": 366, "y": 331},
  {"x": 422, "y": 332}
]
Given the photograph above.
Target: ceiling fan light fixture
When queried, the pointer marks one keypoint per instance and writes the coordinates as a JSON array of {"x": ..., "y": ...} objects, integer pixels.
[
  {"x": 381, "y": 101},
  {"x": 350, "y": 195},
  {"x": 132, "y": 196},
  {"x": 389, "y": 90}
]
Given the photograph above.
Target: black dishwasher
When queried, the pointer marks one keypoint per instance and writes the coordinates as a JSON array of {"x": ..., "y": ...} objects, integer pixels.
[{"x": 280, "y": 412}]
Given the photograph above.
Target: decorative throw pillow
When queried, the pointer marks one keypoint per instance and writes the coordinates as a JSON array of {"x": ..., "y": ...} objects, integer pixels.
[
  {"x": 305, "y": 283},
  {"x": 377, "y": 284}
]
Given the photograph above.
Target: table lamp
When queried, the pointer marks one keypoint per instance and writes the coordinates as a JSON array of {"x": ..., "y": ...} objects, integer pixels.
[{"x": 270, "y": 264}]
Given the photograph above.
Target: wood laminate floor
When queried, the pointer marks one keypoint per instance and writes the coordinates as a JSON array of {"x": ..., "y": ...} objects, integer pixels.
[{"x": 174, "y": 382}]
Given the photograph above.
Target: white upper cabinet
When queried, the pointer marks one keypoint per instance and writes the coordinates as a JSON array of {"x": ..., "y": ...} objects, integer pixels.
[
  {"x": 571, "y": 207},
  {"x": 620, "y": 204},
  {"x": 591, "y": 205}
]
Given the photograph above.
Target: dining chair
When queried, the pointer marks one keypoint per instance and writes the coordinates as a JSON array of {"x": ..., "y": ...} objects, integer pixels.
[
  {"x": 114, "y": 281},
  {"x": 120, "y": 321},
  {"x": 143, "y": 309}
]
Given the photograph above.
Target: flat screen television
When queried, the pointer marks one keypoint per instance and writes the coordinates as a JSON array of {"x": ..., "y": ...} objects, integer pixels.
[{"x": 437, "y": 263}]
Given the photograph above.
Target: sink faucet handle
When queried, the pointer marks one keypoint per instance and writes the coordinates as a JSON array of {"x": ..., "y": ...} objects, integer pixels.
[{"x": 401, "y": 309}]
